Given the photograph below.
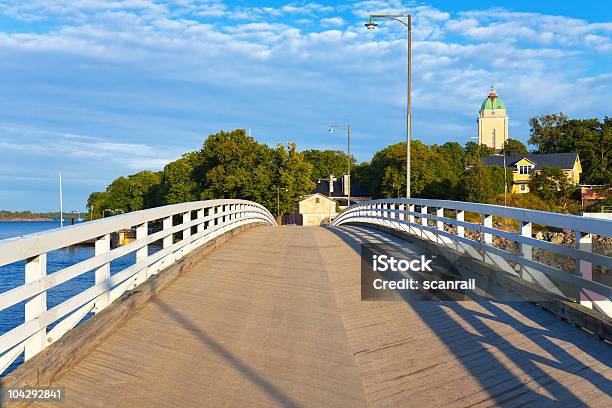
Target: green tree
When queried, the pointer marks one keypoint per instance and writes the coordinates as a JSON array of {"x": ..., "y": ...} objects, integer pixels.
[
  {"x": 393, "y": 181},
  {"x": 481, "y": 183},
  {"x": 293, "y": 176},
  {"x": 455, "y": 155},
  {"x": 473, "y": 152},
  {"x": 394, "y": 157},
  {"x": 96, "y": 203},
  {"x": 515, "y": 145},
  {"x": 179, "y": 182},
  {"x": 551, "y": 184},
  {"x": 435, "y": 170},
  {"x": 327, "y": 162},
  {"x": 360, "y": 174},
  {"x": 590, "y": 138},
  {"x": 234, "y": 165},
  {"x": 134, "y": 192},
  {"x": 546, "y": 132}
]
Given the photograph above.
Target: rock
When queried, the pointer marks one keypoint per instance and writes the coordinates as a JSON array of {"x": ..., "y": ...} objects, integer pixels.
[
  {"x": 556, "y": 239},
  {"x": 539, "y": 235}
]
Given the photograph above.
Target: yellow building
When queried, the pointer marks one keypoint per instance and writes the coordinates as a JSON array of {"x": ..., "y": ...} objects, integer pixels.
[
  {"x": 492, "y": 122},
  {"x": 524, "y": 166},
  {"x": 317, "y": 209}
]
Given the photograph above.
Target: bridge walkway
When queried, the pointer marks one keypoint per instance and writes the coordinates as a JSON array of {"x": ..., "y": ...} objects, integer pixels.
[{"x": 274, "y": 318}]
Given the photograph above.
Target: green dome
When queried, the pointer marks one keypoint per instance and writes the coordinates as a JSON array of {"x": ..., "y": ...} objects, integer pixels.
[{"x": 492, "y": 102}]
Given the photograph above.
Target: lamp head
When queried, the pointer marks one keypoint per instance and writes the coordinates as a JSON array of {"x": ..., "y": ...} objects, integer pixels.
[{"x": 370, "y": 25}]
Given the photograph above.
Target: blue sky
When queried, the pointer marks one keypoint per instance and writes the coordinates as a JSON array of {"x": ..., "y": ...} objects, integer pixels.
[{"x": 102, "y": 88}]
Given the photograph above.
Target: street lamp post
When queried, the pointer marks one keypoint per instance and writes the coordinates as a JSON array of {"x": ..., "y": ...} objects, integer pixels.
[
  {"x": 332, "y": 128},
  {"x": 371, "y": 25}
]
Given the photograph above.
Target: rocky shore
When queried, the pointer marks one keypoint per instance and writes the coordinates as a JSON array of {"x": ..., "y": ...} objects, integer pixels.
[
  {"x": 25, "y": 219},
  {"x": 600, "y": 245}
]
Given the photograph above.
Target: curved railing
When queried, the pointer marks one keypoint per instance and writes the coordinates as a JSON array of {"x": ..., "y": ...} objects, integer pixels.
[
  {"x": 444, "y": 222},
  {"x": 180, "y": 229}
]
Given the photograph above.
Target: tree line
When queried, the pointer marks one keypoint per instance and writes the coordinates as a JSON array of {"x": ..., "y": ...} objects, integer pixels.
[
  {"x": 234, "y": 165},
  {"x": 229, "y": 165}
]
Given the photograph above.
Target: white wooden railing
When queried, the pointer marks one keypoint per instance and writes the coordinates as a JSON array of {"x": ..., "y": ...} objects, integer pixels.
[
  {"x": 400, "y": 214},
  {"x": 207, "y": 219}
]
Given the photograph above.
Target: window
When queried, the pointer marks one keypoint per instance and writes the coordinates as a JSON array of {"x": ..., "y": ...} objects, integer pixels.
[
  {"x": 525, "y": 169},
  {"x": 317, "y": 200},
  {"x": 523, "y": 187}
]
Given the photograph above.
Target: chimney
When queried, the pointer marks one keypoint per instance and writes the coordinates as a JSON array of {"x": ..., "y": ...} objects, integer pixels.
[
  {"x": 331, "y": 184},
  {"x": 345, "y": 184}
]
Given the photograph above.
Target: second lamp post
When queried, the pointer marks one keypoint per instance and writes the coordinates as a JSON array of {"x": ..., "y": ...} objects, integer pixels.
[
  {"x": 332, "y": 128},
  {"x": 371, "y": 25}
]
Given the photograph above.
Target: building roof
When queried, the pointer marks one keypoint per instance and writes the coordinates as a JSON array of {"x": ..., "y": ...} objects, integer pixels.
[
  {"x": 315, "y": 194},
  {"x": 492, "y": 101},
  {"x": 322, "y": 187},
  {"x": 563, "y": 161}
]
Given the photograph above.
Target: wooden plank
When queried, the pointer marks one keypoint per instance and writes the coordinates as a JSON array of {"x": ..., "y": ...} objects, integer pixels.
[
  {"x": 274, "y": 318},
  {"x": 60, "y": 357}
]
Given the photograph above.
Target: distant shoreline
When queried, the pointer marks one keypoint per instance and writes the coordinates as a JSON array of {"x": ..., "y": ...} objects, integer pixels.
[{"x": 26, "y": 219}]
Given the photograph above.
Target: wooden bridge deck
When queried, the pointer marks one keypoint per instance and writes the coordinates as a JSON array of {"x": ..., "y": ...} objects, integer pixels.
[{"x": 274, "y": 318}]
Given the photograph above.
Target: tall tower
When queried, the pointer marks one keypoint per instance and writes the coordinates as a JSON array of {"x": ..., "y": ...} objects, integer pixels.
[{"x": 492, "y": 122}]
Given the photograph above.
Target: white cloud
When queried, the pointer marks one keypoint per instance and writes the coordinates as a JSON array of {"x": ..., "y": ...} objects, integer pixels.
[
  {"x": 87, "y": 149},
  {"x": 333, "y": 21},
  {"x": 149, "y": 69}
]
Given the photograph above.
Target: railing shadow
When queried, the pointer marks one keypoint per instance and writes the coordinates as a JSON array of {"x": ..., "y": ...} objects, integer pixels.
[
  {"x": 236, "y": 363},
  {"x": 495, "y": 377}
]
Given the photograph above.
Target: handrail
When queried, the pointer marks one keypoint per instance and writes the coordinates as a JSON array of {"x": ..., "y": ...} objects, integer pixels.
[
  {"x": 212, "y": 218},
  {"x": 401, "y": 214}
]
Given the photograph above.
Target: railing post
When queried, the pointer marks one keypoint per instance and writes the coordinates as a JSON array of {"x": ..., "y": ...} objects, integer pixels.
[
  {"x": 440, "y": 224},
  {"x": 199, "y": 216},
  {"x": 186, "y": 231},
  {"x": 186, "y": 219},
  {"x": 487, "y": 221},
  {"x": 141, "y": 233},
  {"x": 460, "y": 228},
  {"x": 527, "y": 250},
  {"x": 423, "y": 219},
  {"x": 35, "y": 268},
  {"x": 166, "y": 225},
  {"x": 585, "y": 269},
  {"x": 102, "y": 246},
  {"x": 411, "y": 217},
  {"x": 401, "y": 216}
]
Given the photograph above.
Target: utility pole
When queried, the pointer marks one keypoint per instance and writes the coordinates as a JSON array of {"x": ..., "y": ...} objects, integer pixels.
[
  {"x": 332, "y": 129},
  {"x": 371, "y": 25},
  {"x": 61, "y": 202},
  {"x": 348, "y": 159},
  {"x": 505, "y": 176}
]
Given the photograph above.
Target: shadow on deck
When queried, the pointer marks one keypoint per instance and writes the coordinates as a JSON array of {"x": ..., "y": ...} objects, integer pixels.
[{"x": 546, "y": 378}]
